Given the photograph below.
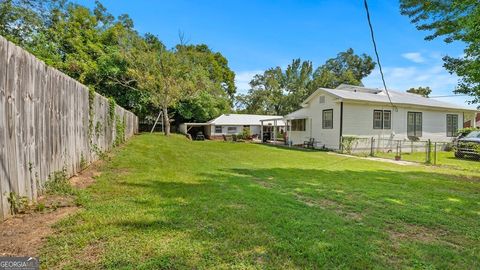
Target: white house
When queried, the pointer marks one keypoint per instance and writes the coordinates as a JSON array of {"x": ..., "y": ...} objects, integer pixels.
[
  {"x": 329, "y": 114},
  {"x": 230, "y": 124}
]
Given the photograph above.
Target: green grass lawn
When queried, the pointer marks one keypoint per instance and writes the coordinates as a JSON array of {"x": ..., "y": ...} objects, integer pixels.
[
  {"x": 169, "y": 203},
  {"x": 443, "y": 158}
]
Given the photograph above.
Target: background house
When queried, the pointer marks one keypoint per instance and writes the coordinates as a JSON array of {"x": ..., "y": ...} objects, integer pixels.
[
  {"x": 230, "y": 124},
  {"x": 329, "y": 114}
]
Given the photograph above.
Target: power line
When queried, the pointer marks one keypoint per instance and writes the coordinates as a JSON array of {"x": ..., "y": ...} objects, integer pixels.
[
  {"x": 376, "y": 54},
  {"x": 449, "y": 96}
]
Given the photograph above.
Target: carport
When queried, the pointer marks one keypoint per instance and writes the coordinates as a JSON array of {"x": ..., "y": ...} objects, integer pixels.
[{"x": 194, "y": 128}]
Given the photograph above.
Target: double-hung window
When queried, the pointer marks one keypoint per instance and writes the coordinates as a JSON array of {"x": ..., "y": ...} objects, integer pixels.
[
  {"x": 382, "y": 119},
  {"x": 452, "y": 125},
  {"x": 327, "y": 119},
  {"x": 414, "y": 124},
  {"x": 218, "y": 129}
]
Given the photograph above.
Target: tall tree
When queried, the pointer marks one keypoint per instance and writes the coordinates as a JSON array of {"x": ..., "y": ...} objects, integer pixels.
[
  {"x": 211, "y": 102},
  {"x": 166, "y": 75},
  {"x": 22, "y": 20},
  {"x": 347, "y": 68},
  {"x": 454, "y": 20},
  {"x": 280, "y": 92},
  {"x": 422, "y": 91}
]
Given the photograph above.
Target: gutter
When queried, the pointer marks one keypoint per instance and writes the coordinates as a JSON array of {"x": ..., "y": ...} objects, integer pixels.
[{"x": 341, "y": 125}]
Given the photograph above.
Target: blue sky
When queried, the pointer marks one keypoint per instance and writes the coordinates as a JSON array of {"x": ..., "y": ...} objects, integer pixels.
[{"x": 256, "y": 35}]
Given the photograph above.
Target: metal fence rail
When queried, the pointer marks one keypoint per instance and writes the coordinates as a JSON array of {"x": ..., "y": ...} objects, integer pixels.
[{"x": 426, "y": 151}]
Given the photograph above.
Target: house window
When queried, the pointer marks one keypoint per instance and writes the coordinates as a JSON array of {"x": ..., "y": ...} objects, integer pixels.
[
  {"x": 382, "y": 119},
  {"x": 298, "y": 125},
  {"x": 414, "y": 124},
  {"x": 327, "y": 117},
  {"x": 452, "y": 125},
  {"x": 218, "y": 129},
  {"x": 321, "y": 99},
  {"x": 232, "y": 130}
]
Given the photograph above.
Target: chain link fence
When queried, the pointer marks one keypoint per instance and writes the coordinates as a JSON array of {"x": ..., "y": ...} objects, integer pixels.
[{"x": 457, "y": 154}]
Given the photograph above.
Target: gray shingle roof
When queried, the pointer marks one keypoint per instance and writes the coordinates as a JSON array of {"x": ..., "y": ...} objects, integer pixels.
[
  {"x": 356, "y": 93},
  {"x": 245, "y": 119}
]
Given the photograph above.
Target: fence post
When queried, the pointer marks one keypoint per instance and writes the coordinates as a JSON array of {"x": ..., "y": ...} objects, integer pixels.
[
  {"x": 435, "y": 154},
  {"x": 399, "y": 151},
  {"x": 372, "y": 146},
  {"x": 429, "y": 149}
]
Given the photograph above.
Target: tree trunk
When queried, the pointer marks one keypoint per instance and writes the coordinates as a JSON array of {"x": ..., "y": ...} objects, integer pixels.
[{"x": 166, "y": 121}]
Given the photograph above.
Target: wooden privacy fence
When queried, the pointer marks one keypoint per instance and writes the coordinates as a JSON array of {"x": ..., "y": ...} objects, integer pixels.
[{"x": 48, "y": 123}]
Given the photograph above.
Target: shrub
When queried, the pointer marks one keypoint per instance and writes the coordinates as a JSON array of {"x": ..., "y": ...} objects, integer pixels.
[
  {"x": 58, "y": 183},
  {"x": 347, "y": 144},
  {"x": 18, "y": 204},
  {"x": 466, "y": 131},
  {"x": 246, "y": 134}
]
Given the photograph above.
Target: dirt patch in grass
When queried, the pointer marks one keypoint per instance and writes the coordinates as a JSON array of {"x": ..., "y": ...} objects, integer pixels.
[
  {"x": 24, "y": 234},
  {"x": 418, "y": 233},
  {"x": 92, "y": 253},
  {"x": 264, "y": 183},
  {"x": 330, "y": 205},
  {"x": 87, "y": 176}
]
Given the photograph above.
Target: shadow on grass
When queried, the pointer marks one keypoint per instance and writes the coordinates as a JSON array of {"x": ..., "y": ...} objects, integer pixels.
[
  {"x": 293, "y": 148},
  {"x": 301, "y": 217}
]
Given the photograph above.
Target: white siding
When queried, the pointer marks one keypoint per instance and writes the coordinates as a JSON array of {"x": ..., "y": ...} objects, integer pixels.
[
  {"x": 358, "y": 121},
  {"x": 238, "y": 130},
  {"x": 324, "y": 137},
  {"x": 255, "y": 130}
]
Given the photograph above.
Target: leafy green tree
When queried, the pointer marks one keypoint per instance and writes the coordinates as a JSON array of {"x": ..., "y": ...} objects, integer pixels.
[
  {"x": 215, "y": 100},
  {"x": 347, "y": 68},
  {"x": 422, "y": 91},
  {"x": 166, "y": 75},
  {"x": 454, "y": 20},
  {"x": 21, "y": 20},
  {"x": 281, "y": 92}
]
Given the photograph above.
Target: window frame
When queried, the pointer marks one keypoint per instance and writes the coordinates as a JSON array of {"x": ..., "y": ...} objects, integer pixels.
[
  {"x": 416, "y": 132},
  {"x": 454, "y": 131},
  {"x": 298, "y": 124},
  {"x": 324, "y": 126},
  {"x": 389, "y": 120},
  {"x": 375, "y": 120},
  {"x": 382, "y": 119},
  {"x": 232, "y": 129},
  {"x": 221, "y": 129}
]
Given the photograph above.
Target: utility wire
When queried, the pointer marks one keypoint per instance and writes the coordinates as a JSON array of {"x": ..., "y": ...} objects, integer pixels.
[
  {"x": 376, "y": 54},
  {"x": 449, "y": 96}
]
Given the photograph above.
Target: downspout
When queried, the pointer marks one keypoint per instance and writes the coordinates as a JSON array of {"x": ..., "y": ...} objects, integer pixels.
[{"x": 341, "y": 125}]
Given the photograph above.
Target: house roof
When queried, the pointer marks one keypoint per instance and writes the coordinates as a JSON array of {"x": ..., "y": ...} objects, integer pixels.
[
  {"x": 298, "y": 114},
  {"x": 245, "y": 119},
  {"x": 357, "y": 93}
]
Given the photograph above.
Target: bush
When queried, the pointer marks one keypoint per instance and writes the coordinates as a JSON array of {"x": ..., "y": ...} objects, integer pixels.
[
  {"x": 466, "y": 131},
  {"x": 18, "y": 204},
  {"x": 347, "y": 144},
  {"x": 58, "y": 183},
  {"x": 246, "y": 135}
]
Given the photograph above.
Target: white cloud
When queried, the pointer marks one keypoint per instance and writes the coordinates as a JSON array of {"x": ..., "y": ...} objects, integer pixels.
[
  {"x": 415, "y": 57},
  {"x": 243, "y": 78}
]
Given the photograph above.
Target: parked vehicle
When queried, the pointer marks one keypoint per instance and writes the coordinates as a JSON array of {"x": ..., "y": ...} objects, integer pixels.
[{"x": 468, "y": 145}]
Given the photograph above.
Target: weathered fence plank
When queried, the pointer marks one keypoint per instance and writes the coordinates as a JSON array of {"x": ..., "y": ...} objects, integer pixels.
[
  {"x": 4, "y": 181},
  {"x": 47, "y": 124}
]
